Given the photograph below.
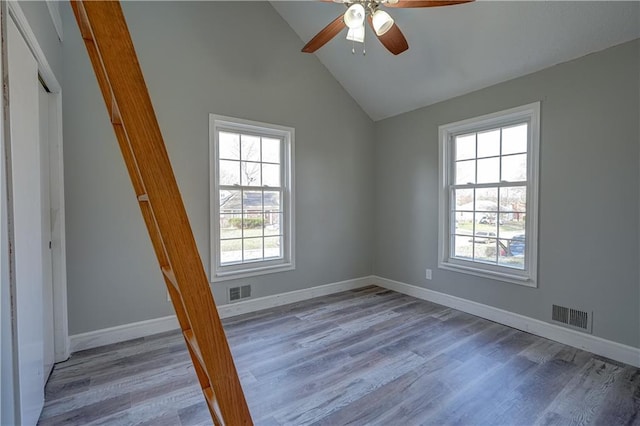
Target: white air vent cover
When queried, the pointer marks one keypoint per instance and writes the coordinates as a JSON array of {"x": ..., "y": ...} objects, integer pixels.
[
  {"x": 580, "y": 320},
  {"x": 237, "y": 293}
]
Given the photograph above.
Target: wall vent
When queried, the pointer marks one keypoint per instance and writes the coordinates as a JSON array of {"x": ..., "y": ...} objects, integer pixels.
[
  {"x": 580, "y": 320},
  {"x": 237, "y": 293}
]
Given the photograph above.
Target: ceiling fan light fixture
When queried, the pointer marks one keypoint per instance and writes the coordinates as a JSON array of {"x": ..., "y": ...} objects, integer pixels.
[
  {"x": 382, "y": 22},
  {"x": 354, "y": 16},
  {"x": 356, "y": 34}
]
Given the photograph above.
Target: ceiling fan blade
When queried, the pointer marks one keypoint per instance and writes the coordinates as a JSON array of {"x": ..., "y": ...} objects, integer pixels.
[
  {"x": 425, "y": 3},
  {"x": 326, "y": 34},
  {"x": 393, "y": 39}
]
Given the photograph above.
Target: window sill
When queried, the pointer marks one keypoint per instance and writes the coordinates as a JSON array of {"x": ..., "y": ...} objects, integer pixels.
[
  {"x": 251, "y": 272},
  {"x": 522, "y": 280}
]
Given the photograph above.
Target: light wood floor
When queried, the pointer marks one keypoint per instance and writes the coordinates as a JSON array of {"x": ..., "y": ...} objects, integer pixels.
[{"x": 368, "y": 356}]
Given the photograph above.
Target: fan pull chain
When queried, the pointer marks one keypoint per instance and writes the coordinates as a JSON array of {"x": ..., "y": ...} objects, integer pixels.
[{"x": 364, "y": 47}]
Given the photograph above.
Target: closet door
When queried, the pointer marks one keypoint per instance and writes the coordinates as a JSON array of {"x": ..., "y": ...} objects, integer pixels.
[
  {"x": 46, "y": 218},
  {"x": 27, "y": 226}
]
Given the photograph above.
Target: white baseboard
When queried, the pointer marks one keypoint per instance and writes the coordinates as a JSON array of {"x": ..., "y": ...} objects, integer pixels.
[
  {"x": 260, "y": 303},
  {"x": 121, "y": 333},
  {"x": 588, "y": 342},
  {"x": 597, "y": 345}
]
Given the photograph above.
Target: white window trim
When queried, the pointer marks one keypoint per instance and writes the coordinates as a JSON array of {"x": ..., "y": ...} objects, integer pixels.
[
  {"x": 527, "y": 277},
  {"x": 218, "y": 272}
]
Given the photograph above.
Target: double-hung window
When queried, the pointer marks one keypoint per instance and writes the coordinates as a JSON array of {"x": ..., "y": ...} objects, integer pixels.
[
  {"x": 488, "y": 195},
  {"x": 252, "y": 220}
]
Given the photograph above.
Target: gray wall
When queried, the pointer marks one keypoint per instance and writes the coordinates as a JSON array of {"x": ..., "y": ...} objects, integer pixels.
[
  {"x": 589, "y": 216},
  {"x": 197, "y": 60},
  {"x": 37, "y": 13}
]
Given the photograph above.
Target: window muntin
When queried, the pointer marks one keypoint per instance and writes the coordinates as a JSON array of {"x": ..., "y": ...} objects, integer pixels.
[
  {"x": 488, "y": 220},
  {"x": 252, "y": 210}
]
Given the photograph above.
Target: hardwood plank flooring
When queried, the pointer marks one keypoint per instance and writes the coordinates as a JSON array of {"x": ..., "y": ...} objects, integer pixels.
[{"x": 368, "y": 356}]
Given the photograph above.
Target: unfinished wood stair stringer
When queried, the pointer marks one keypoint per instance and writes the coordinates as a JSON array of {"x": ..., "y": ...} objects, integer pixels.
[{"x": 121, "y": 82}]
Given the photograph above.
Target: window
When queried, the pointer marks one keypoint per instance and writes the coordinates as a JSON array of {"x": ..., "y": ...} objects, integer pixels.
[
  {"x": 488, "y": 195},
  {"x": 252, "y": 219}
]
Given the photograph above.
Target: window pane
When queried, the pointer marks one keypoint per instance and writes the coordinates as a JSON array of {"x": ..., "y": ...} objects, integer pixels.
[
  {"x": 489, "y": 143},
  {"x": 463, "y": 224},
  {"x": 250, "y": 148},
  {"x": 229, "y": 145},
  {"x": 230, "y": 202},
  {"x": 272, "y": 223},
  {"x": 516, "y": 262},
  {"x": 514, "y": 168},
  {"x": 489, "y": 170},
  {"x": 230, "y": 251},
  {"x": 513, "y": 198},
  {"x": 271, "y": 201},
  {"x": 503, "y": 250},
  {"x": 272, "y": 247},
  {"x": 505, "y": 226},
  {"x": 511, "y": 224},
  {"x": 465, "y": 147},
  {"x": 271, "y": 175},
  {"x": 252, "y": 225},
  {"x": 252, "y": 248},
  {"x": 271, "y": 150},
  {"x": 486, "y": 250},
  {"x": 517, "y": 245},
  {"x": 250, "y": 174},
  {"x": 229, "y": 172},
  {"x": 487, "y": 199},
  {"x": 252, "y": 202},
  {"x": 230, "y": 226},
  {"x": 464, "y": 199},
  {"x": 463, "y": 247},
  {"x": 486, "y": 225},
  {"x": 465, "y": 172},
  {"x": 512, "y": 253},
  {"x": 514, "y": 139}
]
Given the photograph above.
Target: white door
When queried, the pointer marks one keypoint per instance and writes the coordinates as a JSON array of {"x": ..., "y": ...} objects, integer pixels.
[
  {"x": 47, "y": 265},
  {"x": 27, "y": 227}
]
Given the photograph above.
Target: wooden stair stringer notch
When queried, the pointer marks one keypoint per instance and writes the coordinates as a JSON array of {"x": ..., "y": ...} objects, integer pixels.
[{"x": 110, "y": 48}]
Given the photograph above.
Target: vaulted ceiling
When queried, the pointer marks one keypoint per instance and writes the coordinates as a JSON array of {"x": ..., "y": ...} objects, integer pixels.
[{"x": 458, "y": 49}]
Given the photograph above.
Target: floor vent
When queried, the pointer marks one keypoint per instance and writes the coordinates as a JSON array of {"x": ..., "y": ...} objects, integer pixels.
[
  {"x": 237, "y": 293},
  {"x": 580, "y": 320}
]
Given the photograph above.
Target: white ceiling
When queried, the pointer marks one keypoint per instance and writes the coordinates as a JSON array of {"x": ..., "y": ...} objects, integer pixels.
[{"x": 458, "y": 49}]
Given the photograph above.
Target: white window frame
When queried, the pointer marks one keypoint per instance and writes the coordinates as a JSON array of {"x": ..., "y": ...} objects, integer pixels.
[
  {"x": 257, "y": 267},
  {"x": 527, "y": 277}
]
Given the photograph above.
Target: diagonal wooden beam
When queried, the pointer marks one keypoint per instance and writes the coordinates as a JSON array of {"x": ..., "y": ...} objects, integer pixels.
[{"x": 110, "y": 48}]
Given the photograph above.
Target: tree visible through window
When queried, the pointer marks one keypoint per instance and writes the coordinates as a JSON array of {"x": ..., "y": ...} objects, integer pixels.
[
  {"x": 489, "y": 192},
  {"x": 252, "y": 181}
]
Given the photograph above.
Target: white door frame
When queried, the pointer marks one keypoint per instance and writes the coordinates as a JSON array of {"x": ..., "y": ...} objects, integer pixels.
[
  {"x": 61, "y": 330},
  {"x": 8, "y": 367}
]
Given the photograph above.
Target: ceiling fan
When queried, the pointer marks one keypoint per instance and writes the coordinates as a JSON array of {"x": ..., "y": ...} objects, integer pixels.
[{"x": 380, "y": 21}]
